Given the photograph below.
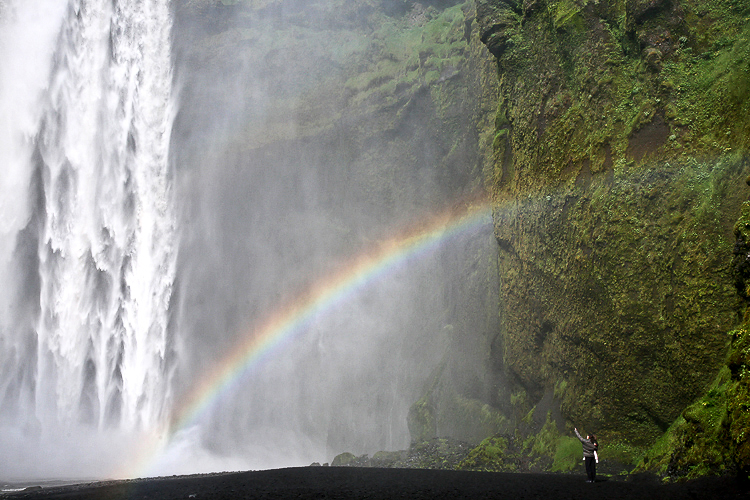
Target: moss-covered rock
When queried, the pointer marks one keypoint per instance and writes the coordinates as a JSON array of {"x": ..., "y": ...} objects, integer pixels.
[
  {"x": 711, "y": 435},
  {"x": 387, "y": 458},
  {"x": 639, "y": 261},
  {"x": 612, "y": 137},
  {"x": 492, "y": 454},
  {"x": 437, "y": 453},
  {"x": 421, "y": 420},
  {"x": 692, "y": 446},
  {"x": 737, "y": 421},
  {"x": 498, "y": 24},
  {"x": 544, "y": 450},
  {"x": 619, "y": 164},
  {"x": 345, "y": 459}
]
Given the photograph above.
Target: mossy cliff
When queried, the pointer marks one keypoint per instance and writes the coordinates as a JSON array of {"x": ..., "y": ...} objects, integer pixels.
[
  {"x": 711, "y": 435},
  {"x": 612, "y": 138},
  {"x": 620, "y": 155}
]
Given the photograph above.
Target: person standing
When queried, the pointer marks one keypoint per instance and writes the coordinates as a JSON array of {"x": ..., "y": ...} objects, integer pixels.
[{"x": 590, "y": 455}]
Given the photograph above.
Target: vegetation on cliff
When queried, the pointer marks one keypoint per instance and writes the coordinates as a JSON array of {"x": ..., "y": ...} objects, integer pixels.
[
  {"x": 612, "y": 137},
  {"x": 620, "y": 155},
  {"x": 711, "y": 436}
]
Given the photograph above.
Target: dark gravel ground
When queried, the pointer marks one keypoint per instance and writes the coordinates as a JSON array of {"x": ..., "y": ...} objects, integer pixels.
[{"x": 373, "y": 483}]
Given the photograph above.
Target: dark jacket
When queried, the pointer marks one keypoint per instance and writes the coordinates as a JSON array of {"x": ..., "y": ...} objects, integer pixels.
[{"x": 588, "y": 446}]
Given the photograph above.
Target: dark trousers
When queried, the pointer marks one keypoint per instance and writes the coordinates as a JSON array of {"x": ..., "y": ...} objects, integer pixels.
[{"x": 590, "y": 468}]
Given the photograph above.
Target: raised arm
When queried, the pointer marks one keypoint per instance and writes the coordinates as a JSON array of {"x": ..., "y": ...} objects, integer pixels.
[{"x": 578, "y": 435}]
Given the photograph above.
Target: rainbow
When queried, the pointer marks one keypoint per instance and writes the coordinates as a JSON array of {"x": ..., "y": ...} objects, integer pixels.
[{"x": 290, "y": 321}]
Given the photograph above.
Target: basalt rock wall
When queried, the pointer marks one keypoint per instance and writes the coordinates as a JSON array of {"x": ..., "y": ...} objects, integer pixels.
[
  {"x": 611, "y": 137},
  {"x": 620, "y": 158}
]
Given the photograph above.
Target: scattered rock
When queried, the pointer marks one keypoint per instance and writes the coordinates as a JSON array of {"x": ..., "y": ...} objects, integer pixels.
[
  {"x": 350, "y": 460},
  {"x": 343, "y": 459}
]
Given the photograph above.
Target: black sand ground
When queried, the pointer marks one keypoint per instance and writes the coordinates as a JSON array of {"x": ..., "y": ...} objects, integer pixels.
[{"x": 371, "y": 483}]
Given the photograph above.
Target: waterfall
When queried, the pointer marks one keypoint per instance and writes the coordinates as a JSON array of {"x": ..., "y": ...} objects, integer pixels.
[{"x": 88, "y": 225}]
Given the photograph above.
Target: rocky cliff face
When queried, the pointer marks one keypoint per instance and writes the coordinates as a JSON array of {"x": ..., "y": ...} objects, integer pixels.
[
  {"x": 611, "y": 137},
  {"x": 620, "y": 160}
]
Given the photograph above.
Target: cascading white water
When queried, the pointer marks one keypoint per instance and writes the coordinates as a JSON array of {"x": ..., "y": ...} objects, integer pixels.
[{"x": 88, "y": 230}]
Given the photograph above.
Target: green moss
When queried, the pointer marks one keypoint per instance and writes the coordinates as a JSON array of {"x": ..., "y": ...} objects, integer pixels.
[
  {"x": 421, "y": 421},
  {"x": 623, "y": 453},
  {"x": 567, "y": 454},
  {"x": 565, "y": 15},
  {"x": 587, "y": 91},
  {"x": 693, "y": 445},
  {"x": 490, "y": 455},
  {"x": 431, "y": 77},
  {"x": 737, "y": 419},
  {"x": 529, "y": 416},
  {"x": 500, "y": 135},
  {"x": 560, "y": 387},
  {"x": 624, "y": 332},
  {"x": 518, "y": 398},
  {"x": 711, "y": 94},
  {"x": 406, "y": 54},
  {"x": 545, "y": 450},
  {"x": 546, "y": 440}
]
